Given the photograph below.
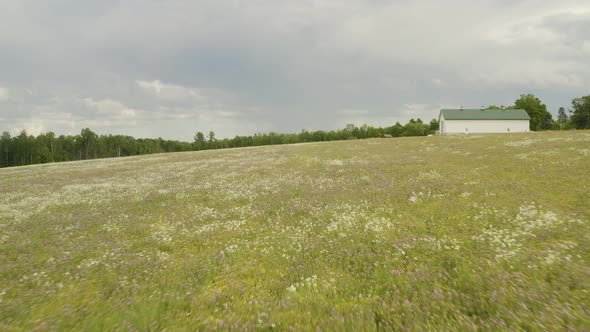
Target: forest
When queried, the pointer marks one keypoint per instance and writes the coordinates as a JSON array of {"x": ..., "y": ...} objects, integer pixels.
[{"x": 25, "y": 149}]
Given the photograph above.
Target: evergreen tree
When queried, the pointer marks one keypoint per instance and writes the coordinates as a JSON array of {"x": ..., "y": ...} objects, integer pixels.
[
  {"x": 5, "y": 149},
  {"x": 561, "y": 117}
]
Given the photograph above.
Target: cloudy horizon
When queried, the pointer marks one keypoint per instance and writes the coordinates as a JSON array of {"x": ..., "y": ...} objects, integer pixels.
[{"x": 171, "y": 68}]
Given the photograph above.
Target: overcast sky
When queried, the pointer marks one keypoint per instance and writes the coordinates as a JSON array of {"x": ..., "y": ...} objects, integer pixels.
[{"x": 154, "y": 68}]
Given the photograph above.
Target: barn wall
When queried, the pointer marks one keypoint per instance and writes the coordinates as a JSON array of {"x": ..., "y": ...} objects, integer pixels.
[{"x": 484, "y": 126}]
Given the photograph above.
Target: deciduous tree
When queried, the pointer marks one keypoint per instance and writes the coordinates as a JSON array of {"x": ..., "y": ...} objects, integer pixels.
[
  {"x": 199, "y": 141},
  {"x": 581, "y": 112},
  {"x": 212, "y": 141},
  {"x": 540, "y": 117},
  {"x": 87, "y": 142}
]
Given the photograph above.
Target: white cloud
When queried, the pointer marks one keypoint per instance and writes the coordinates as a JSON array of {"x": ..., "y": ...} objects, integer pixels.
[
  {"x": 419, "y": 110},
  {"x": 35, "y": 127},
  {"x": 534, "y": 72},
  {"x": 154, "y": 87},
  {"x": 353, "y": 112},
  {"x": 171, "y": 92},
  {"x": 437, "y": 81},
  {"x": 173, "y": 111},
  {"x": 113, "y": 109},
  {"x": 528, "y": 31},
  {"x": 4, "y": 95},
  {"x": 471, "y": 39},
  {"x": 228, "y": 114},
  {"x": 56, "y": 120}
]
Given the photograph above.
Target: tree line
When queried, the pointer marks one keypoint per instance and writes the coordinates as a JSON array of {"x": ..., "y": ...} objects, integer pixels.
[
  {"x": 350, "y": 131},
  {"x": 25, "y": 149}
]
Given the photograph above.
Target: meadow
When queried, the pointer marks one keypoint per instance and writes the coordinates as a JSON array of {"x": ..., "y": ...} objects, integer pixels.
[{"x": 477, "y": 232}]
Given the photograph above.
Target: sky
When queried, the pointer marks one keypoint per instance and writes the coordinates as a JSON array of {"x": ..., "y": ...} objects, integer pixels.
[{"x": 154, "y": 68}]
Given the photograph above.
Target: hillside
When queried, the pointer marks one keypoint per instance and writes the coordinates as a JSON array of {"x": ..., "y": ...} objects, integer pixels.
[{"x": 433, "y": 233}]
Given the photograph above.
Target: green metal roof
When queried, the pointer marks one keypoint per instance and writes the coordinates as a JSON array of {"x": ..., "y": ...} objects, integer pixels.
[{"x": 488, "y": 114}]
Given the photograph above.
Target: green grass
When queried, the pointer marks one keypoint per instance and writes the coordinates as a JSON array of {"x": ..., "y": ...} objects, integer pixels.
[{"x": 485, "y": 232}]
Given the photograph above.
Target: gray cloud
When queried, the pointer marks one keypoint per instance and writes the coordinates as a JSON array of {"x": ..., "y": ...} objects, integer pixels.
[{"x": 170, "y": 68}]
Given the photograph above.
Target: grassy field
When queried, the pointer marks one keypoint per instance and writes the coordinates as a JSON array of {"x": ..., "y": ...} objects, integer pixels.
[{"x": 431, "y": 233}]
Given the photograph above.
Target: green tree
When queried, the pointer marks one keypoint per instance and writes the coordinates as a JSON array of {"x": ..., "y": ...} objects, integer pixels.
[
  {"x": 211, "y": 141},
  {"x": 581, "y": 112},
  {"x": 51, "y": 144},
  {"x": 349, "y": 132},
  {"x": 5, "y": 149},
  {"x": 22, "y": 149},
  {"x": 42, "y": 149},
  {"x": 434, "y": 126},
  {"x": 540, "y": 117},
  {"x": 416, "y": 128},
  {"x": 199, "y": 143},
  {"x": 87, "y": 143},
  {"x": 561, "y": 117},
  {"x": 318, "y": 136},
  {"x": 305, "y": 136},
  {"x": 397, "y": 130},
  {"x": 373, "y": 132}
]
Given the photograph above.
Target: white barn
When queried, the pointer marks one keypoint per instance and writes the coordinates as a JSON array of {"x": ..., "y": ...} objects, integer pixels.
[{"x": 471, "y": 121}]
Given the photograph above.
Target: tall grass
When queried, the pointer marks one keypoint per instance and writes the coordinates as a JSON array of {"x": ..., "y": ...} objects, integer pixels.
[{"x": 433, "y": 233}]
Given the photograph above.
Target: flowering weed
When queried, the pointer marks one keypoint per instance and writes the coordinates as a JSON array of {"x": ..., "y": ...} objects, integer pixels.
[{"x": 483, "y": 232}]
